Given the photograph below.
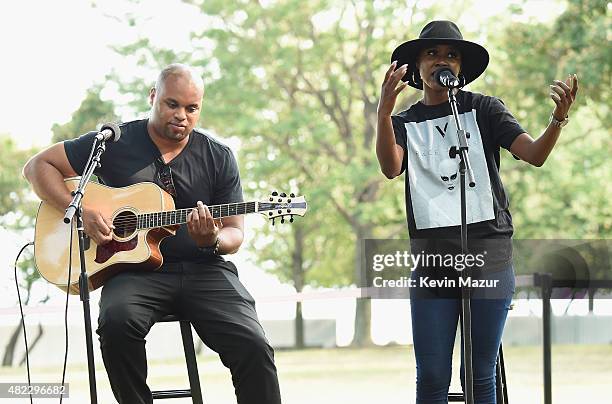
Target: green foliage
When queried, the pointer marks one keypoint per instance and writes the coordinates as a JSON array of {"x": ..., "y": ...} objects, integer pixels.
[
  {"x": 298, "y": 83},
  {"x": 146, "y": 54},
  {"x": 91, "y": 114},
  {"x": 305, "y": 117},
  {"x": 16, "y": 210},
  {"x": 568, "y": 196}
]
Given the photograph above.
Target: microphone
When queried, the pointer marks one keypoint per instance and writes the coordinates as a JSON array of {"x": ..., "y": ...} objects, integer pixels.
[
  {"x": 109, "y": 131},
  {"x": 446, "y": 78}
]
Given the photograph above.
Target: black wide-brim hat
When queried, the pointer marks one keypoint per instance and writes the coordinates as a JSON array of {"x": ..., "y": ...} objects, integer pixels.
[{"x": 474, "y": 58}]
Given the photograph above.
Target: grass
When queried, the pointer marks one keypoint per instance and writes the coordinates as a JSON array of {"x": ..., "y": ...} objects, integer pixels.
[{"x": 581, "y": 374}]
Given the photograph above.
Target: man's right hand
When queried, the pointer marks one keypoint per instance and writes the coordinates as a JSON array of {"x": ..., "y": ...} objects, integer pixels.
[
  {"x": 390, "y": 89},
  {"x": 46, "y": 172},
  {"x": 97, "y": 226}
]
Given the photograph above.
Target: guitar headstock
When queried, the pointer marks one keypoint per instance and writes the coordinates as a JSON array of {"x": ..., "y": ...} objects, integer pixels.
[{"x": 281, "y": 205}]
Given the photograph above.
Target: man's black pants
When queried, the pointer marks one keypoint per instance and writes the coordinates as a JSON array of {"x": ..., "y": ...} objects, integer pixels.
[{"x": 221, "y": 310}]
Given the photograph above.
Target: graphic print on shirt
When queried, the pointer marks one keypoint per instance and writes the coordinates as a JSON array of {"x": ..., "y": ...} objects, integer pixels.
[{"x": 434, "y": 176}]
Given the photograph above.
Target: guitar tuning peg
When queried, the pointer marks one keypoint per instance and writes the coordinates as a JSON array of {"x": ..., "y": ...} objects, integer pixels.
[
  {"x": 283, "y": 194},
  {"x": 282, "y": 219},
  {"x": 292, "y": 195},
  {"x": 274, "y": 193},
  {"x": 291, "y": 220}
]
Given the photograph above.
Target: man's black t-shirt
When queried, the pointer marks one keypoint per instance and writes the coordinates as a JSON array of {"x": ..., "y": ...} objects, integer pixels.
[
  {"x": 205, "y": 170},
  {"x": 427, "y": 133}
]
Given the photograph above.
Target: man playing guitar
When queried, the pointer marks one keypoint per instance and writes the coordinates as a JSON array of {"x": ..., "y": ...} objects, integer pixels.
[{"x": 194, "y": 281}]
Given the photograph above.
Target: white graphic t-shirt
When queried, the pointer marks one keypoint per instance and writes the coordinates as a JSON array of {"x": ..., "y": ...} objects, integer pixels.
[{"x": 433, "y": 204}]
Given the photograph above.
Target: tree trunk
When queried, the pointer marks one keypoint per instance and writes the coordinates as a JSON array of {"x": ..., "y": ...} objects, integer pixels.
[
  {"x": 31, "y": 346},
  {"x": 297, "y": 263},
  {"x": 299, "y": 327},
  {"x": 362, "y": 336},
  {"x": 199, "y": 346},
  {"x": 9, "y": 350}
]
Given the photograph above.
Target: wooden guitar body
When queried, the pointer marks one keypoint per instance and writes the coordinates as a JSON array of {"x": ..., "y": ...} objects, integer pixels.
[
  {"x": 143, "y": 215},
  {"x": 131, "y": 247}
]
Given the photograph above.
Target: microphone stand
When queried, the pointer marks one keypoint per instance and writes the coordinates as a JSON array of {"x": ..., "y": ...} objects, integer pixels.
[
  {"x": 75, "y": 210},
  {"x": 466, "y": 315}
]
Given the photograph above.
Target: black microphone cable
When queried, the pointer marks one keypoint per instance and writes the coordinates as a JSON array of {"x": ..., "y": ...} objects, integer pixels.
[
  {"x": 66, "y": 315},
  {"x": 25, "y": 337}
]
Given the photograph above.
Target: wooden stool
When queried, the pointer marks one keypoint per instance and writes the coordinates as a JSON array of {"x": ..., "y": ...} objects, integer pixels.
[{"x": 194, "y": 391}]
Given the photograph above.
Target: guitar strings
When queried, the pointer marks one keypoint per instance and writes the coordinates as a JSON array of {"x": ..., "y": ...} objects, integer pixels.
[
  {"x": 125, "y": 223},
  {"x": 178, "y": 214},
  {"x": 132, "y": 221}
]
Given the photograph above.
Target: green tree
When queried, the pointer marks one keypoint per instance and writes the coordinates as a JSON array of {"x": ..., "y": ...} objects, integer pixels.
[
  {"x": 17, "y": 212},
  {"x": 568, "y": 196},
  {"x": 91, "y": 114},
  {"x": 15, "y": 207},
  {"x": 296, "y": 104},
  {"x": 298, "y": 83}
]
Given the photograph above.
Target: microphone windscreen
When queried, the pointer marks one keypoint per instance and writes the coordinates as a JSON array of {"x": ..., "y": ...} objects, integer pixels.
[
  {"x": 445, "y": 76},
  {"x": 112, "y": 126}
]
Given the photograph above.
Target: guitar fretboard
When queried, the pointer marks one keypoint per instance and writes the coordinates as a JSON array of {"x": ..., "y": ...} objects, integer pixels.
[{"x": 179, "y": 216}]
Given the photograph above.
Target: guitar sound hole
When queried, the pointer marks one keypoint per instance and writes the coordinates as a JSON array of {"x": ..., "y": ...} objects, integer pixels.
[{"x": 125, "y": 224}]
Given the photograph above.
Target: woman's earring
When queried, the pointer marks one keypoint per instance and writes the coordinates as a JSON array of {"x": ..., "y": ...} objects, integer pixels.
[{"x": 416, "y": 78}]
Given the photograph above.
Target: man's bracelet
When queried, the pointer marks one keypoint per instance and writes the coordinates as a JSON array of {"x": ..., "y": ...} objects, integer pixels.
[
  {"x": 216, "y": 246},
  {"x": 213, "y": 249}
]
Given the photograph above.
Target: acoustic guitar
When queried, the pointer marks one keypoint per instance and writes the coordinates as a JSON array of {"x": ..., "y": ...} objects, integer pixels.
[{"x": 143, "y": 215}]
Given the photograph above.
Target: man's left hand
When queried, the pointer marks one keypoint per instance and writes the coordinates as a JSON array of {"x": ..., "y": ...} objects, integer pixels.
[
  {"x": 202, "y": 227},
  {"x": 563, "y": 94}
]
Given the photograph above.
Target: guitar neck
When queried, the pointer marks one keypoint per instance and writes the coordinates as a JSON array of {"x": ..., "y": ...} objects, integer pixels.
[{"x": 179, "y": 216}]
